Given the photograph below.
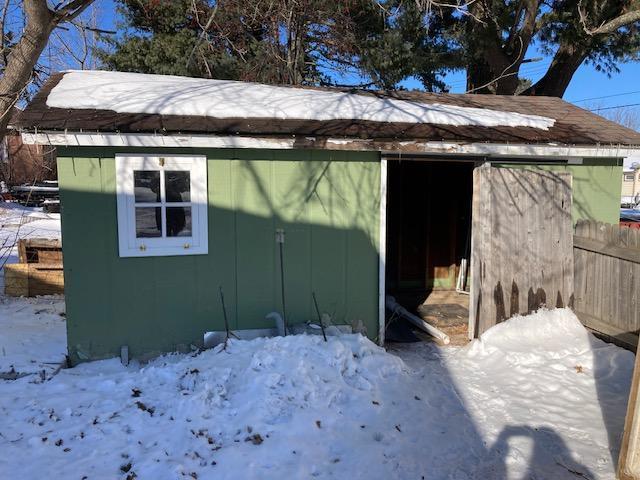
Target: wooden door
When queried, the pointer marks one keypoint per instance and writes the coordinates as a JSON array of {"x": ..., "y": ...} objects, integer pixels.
[{"x": 521, "y": 245}]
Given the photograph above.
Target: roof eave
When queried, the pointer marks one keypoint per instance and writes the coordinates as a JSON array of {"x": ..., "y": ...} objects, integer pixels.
[{"x": 387, "y": 147}]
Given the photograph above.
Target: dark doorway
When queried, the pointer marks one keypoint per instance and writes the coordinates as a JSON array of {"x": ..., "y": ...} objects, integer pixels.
[{"x": 428, "y": 234}]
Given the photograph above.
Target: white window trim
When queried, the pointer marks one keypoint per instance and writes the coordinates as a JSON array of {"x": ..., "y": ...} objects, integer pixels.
[{"x": 129, "y": 245}]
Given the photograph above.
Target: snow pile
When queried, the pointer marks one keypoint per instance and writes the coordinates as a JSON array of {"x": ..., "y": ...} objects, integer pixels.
[
  {"x": 542, "y": 332},
  {"x": 171, "y": 95},
  {"x": 292, "y": 407},
  {"x": 548, "y": 392},
  {"x": 536, "y": 397},
  {"x": 33, "y": 335}
]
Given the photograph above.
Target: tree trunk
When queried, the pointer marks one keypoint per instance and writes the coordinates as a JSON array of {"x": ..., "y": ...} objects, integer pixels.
[
  {"x": 483, "y": 78},
  {"x": 495, "y": 61},
  {"x": 23, "y": 57},
  {"x": 564, "y": 65}
]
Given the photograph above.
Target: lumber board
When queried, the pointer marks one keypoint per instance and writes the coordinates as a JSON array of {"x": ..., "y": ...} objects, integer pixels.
[
  {"x": 629, "y": 459},
  {"x": 607, "y": 249}
]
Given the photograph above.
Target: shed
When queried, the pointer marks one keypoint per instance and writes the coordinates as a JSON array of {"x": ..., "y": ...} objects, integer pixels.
[{"x": 172, "y": 187}]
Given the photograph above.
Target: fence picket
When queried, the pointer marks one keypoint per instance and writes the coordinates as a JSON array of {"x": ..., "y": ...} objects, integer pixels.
[{"x": 607, "y": 279}]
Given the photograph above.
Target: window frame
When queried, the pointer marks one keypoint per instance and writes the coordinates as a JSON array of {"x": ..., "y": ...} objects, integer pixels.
[
  {"x": 628, "y": 177},
  {"x": 132, "y": 246}
]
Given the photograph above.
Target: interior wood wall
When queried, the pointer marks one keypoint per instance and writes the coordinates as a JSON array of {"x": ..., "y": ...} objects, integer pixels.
[{"x": 428, "y": 217}]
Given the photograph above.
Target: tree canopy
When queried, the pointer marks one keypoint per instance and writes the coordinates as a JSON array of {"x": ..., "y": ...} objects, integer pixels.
[{"x": 377, "y": 43}]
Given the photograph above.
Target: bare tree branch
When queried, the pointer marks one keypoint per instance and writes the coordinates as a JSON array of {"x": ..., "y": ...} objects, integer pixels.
[
  {"x": 612, "y": 25},
  {"x": 21, "y": 61}
]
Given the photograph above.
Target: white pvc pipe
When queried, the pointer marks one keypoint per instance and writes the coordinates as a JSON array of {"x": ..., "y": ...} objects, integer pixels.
[
  {"x": 398, "y": 309},
  {"x": 277, "y": 318}
]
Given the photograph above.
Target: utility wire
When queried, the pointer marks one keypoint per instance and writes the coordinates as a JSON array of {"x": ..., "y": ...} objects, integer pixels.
[
  {"x": 615, "y": 106},
  {"x": 523, "y": 72},
  {"x": 605, "y": 96}
]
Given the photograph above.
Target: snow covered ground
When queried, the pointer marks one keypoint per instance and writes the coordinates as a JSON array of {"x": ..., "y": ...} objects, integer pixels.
[
  {"x": 32, "y": 330},
  {"x": 537, "y": 397},
  {"x": 33, "y": 335}
]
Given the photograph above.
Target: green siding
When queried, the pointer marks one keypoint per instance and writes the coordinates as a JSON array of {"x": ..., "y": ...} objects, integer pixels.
[
  {"x": 596, "y": 188},
  {"x": 327, "y": 203}
]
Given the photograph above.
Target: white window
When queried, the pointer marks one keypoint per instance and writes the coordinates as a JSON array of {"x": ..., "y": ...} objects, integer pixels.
[
  {"x": 628, "y": 177},
  {"x": 162, "y": 205}
]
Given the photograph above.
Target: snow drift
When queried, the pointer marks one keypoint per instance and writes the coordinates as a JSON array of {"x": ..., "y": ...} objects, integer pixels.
[
  {"x": 549, "y": 331},
  {"x": 172, "y": 95},
  {"x": 536, "y": 397}
]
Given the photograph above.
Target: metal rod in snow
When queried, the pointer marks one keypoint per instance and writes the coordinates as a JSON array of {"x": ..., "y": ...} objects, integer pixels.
[
  {"x": 224, "y": 313},
  {"x": 280, "y": 241},
  {"x": 315, "y": 302}
]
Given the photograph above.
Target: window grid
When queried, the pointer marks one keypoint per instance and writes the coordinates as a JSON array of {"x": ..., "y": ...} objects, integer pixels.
[
  {"x": 163, "y": 203},
  {"x": 180, "y": 222}
]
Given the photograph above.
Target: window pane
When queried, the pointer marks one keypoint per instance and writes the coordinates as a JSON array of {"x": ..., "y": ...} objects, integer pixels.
[
  {"x": 147, "y": 185},
  {"x": 148, "y": 222},
  {"x": 177, "y": 186},
  {"x": 178, "y": 221}
]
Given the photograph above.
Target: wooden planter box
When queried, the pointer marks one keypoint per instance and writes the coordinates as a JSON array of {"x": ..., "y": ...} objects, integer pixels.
[
  {"x": 40, "y": 250},
  {"x": 39, "y": 271},
  {"x": 31, "y": 279}
]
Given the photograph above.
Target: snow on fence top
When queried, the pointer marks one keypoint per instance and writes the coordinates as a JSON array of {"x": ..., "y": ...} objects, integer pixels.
[{"x": 172, "y": 95}]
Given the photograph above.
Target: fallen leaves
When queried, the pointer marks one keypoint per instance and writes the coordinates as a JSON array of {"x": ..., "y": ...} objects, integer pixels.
[
  {"x": 144, "y": 408},
  {"x": 256, "y": 439}
]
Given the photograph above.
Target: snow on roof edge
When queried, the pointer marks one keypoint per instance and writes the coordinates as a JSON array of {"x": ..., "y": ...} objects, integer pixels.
[{"x": 125, "y": 92}]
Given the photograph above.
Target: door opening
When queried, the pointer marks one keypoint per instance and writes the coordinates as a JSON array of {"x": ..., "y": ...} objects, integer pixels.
[{"x": 428, "y": 231}]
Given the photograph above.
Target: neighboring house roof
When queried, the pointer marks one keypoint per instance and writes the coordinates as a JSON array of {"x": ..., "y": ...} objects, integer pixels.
[{"x": 139, "y": 103}]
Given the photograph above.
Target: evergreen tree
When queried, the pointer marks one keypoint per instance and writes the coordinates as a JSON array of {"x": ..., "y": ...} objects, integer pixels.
[{"x": 380, "y": 43}]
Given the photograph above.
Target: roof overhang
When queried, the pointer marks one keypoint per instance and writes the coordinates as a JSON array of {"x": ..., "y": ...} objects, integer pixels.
[{"x": 389, "y": 148}]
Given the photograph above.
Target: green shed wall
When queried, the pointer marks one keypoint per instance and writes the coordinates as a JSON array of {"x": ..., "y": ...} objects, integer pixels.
[
  {"x": 596, "y": 188},
  {"x": 327, "y": 203}
]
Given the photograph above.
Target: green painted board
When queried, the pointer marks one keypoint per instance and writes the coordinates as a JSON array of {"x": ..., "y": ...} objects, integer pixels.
[
  {"x": 327, "y": 203},
  {"x": 596, "y": 188}
]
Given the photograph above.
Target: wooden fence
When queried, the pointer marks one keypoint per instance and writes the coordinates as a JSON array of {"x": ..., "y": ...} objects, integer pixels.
[{"x": 607, "y": 279}]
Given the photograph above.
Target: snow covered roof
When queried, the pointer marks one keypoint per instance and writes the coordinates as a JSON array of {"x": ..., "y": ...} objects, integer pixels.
[
  {"x": 133, "y": 102},
  {"x": 170, "y": 95}
]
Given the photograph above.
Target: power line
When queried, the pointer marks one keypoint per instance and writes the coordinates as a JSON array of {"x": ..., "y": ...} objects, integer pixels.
[
  {"x": 605, "y": 96},
  {"x": 616, "y": 106},
  {"x": 533, "y": 70}
]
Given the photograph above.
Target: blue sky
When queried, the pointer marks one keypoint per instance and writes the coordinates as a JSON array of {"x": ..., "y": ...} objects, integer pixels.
[{"x": 587, "y": 83}]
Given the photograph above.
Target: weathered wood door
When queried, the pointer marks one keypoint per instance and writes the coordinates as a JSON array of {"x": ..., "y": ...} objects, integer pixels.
[{"x": 521, "y": 245}]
